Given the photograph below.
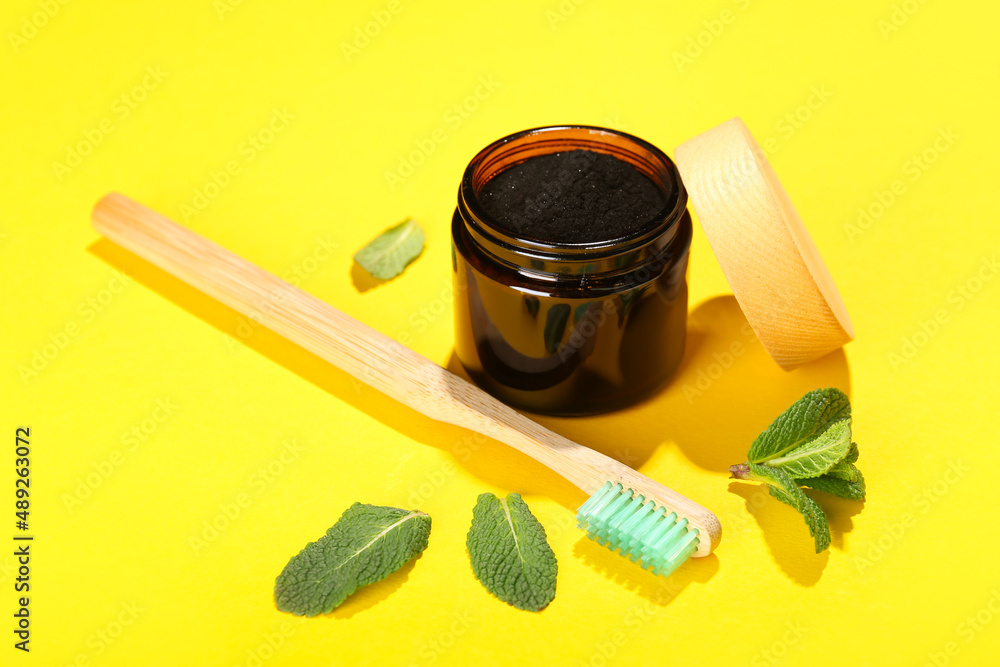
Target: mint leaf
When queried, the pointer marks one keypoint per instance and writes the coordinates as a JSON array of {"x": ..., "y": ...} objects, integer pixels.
[
  {"x": 807, "y": 418},
  {"x": 367, "y": 544},
  {"x": 387, "y": 254},
  {"x": 849, "y": 489},
  {"x": 784, "y": 488},
  {"x": 818, "y": 455},
  {"x": 852, "y": 453},
  {"x": 845, "y": 471},
  {"x": 509, "y": 553}
]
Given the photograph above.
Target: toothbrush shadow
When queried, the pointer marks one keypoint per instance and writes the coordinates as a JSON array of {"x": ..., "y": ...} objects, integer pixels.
[
  {"x": 656, "y": 589},
  {"x": 484, "y": 457}
]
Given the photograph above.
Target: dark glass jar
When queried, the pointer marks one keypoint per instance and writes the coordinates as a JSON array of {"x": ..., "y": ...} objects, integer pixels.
[{"x": 570, "y": 328}]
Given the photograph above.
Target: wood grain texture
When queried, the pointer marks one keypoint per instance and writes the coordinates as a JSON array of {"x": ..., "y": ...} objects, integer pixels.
[
  {"x": 370, "y": 356},
  {"x": 771, "y": 263}
]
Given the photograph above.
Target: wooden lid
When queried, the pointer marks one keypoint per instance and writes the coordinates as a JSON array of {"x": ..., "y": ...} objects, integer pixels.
[{"x": 773, "y": 267}]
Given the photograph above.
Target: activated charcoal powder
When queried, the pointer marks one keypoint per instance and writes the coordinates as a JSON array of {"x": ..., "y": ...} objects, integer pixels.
[{"x": 576, "y": 196}]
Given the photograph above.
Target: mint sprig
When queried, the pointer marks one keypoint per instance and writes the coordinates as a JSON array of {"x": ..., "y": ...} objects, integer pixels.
[{"x": 808, "y": 445}]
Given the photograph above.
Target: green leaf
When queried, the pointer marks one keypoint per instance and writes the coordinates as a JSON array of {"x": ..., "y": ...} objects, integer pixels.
[
  {"x": 849, "y": 489},
  {"x": 807, "y": 418},
  {"x": 387, "y": 254},
  {"x": 787, "y": 491},
  {"x": 367, "y": 544},
  {"x": 845, "y": 471},
  {"x": 555, "y": 326},
  {"x": 509, "y": 553},
  {"x": 818, "y": 455},
  {"x": 852, "y": 453}
]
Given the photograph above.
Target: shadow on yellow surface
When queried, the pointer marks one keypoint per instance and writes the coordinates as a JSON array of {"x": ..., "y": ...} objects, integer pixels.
[
  {"x": 658, "y": 590},
  {"x": 362, "y": 280},
  {"x": 786, "y": 533},
  {"x": 839, "y": 514},
  {"x": 484, "y": 457},
  {"x": 725, "y": 391},
  {"x": 368, "y": 596}
]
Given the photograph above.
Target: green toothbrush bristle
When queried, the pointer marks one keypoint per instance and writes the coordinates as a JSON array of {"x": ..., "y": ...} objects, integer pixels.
[{"x": 637, "y": 528}]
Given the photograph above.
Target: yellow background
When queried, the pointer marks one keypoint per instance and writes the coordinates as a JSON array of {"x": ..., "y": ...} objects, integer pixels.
[{"x": 157, "y": 413}]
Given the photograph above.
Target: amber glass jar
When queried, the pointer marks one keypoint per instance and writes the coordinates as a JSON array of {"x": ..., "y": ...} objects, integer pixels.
[{"x": 570, "y": 328}]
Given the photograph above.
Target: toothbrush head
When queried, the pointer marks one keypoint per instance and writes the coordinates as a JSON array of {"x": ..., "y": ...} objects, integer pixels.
[{"x": 641, "y": 530}]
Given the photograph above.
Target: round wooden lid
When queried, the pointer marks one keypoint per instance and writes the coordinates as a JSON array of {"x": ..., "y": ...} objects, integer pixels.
[{"x": 771, "y": 263}]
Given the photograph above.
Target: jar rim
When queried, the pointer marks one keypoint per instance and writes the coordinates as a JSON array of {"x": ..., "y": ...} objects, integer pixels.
[{"x": 487, "y": 230}]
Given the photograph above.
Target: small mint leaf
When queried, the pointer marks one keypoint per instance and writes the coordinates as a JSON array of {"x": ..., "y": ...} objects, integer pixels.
[
  {"x": 845, "y": 471},
  {"x": 509, "y": 553},
  {"x": 818, "y": 455},
  {"x": 806, "y": 419},
  {"x": 387, "y": 254},
  {"x": 367, "y": 544},
  {"x": 784, "y": 488},
  {"x": 852, "y": 453},
  {"x": 842, "y": 488}
]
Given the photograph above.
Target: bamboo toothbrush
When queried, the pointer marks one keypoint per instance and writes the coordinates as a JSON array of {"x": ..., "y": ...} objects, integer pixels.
[{"x": 627, "y": 511}]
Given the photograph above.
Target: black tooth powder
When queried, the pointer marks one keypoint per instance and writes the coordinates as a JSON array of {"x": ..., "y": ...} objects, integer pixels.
[{"x": 576, "y": 196}]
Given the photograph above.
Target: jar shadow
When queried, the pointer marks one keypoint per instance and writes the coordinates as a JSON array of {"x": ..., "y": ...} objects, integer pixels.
[{"x": 726, "y": 390}]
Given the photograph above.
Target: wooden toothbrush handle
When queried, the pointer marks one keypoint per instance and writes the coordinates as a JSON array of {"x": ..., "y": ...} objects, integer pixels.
[{"x": 368, "y": 355}]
